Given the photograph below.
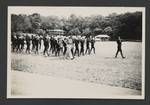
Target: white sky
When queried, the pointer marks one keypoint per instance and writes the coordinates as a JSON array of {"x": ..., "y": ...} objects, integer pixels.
[{"x": 65, "y": 11}]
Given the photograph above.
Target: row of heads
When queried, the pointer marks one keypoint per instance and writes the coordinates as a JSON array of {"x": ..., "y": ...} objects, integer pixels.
[{"x": 53, "y": 36}]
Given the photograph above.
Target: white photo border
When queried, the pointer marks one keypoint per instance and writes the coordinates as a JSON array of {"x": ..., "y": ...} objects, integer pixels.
[{"x": 142, "y": 9}]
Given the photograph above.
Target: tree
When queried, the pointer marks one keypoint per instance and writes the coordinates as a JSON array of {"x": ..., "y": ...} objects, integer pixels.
[
  {"x": 74, "y": 31},
  {"x": 108, "y": 30},
  {"x": 131, "y": 26},
  {"x": 40, "y": 31},
  {"x": 20, "y": 23},
  {"x": 35, "y": 21},
  {"x": 128, "y": 25},
  {"x": 87, "y": 32},
  {"x": 27, "y": 24},
  {"x": 98, "y": 31},
  {"x": 96, "y": 22}
]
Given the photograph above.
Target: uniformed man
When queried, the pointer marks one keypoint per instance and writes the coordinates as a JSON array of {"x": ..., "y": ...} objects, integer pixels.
[
  {"x": 119, "y": 49},
  {"x": 76, "y": 42},
  {"x": 64, "y": 46},
  {"x": 37, "y": 42},
  {"x": 46, "y": 44},
  {"x": 14, "y": 41},
  {"x": 87, "y": 46},
  {"x": 92, "y": 45},
  {"x": 28, "y": 42},
  {"x": 82, "y": 46}
]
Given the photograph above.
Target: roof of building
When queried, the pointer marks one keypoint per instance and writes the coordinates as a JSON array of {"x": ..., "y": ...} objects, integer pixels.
[
  {"x": 102, "y": 35},
  {"x": 57, "y": 30}
]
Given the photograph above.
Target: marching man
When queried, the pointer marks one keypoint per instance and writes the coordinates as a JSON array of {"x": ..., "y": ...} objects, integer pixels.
[{"x": 119, "y": 49}]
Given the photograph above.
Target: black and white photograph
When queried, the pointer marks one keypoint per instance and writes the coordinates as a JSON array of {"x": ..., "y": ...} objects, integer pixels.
[{"x": 80, "y": 52}]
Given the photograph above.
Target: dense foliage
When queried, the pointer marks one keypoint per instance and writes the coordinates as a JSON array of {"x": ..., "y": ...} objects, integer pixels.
[{"x": 128, "y": 25}]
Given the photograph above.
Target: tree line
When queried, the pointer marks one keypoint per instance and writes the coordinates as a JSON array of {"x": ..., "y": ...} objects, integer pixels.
[{"x": 127, "y": 25}]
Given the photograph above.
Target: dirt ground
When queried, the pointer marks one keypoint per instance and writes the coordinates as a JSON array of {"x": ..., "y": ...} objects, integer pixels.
[
  {"x": 99, "y": 68},
  {"x": 31, "y": 85}
]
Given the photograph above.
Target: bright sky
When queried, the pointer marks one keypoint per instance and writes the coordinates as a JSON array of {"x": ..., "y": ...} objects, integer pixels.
[{"x": 65, "y": 11}]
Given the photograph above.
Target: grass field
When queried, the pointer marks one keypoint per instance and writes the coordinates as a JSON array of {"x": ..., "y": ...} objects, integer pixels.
[{"x": 100, "y": 68}]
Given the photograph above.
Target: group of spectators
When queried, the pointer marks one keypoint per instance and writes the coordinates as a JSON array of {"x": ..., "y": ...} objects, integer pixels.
[{"x": 67, "y": 46}]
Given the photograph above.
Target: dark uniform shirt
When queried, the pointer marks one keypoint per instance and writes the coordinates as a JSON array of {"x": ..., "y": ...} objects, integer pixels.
[
  {"x": 119, "y": 42},
  {"x": 87, "y": 43},
  {"x": 92, "y": 43}
]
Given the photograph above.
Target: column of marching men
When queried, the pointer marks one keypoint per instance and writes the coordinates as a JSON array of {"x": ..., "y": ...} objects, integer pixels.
[{"x": 69, "y": 46}]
